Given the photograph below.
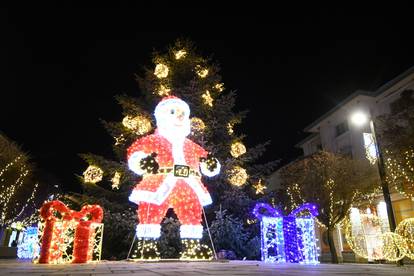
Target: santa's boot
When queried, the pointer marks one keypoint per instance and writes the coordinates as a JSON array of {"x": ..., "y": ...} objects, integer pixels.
[
  {"x": 147, "y": 245},
  {"x": 192, "y": 247}
]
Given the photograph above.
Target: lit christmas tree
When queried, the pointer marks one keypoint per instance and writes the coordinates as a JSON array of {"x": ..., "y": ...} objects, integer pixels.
[{"x": 186, "y": 87}]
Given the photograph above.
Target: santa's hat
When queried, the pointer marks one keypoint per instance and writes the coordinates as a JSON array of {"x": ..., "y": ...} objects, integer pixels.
[{"x": 166, "y": 102}]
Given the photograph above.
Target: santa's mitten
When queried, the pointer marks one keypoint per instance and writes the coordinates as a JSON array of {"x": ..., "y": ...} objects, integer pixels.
[
  {"x": 210, "y": 166},
  {"x": 149, "y": 164}
]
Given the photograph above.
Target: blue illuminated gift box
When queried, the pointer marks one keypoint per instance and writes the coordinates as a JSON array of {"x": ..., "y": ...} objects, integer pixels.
[{"x": 289, "y": 238}]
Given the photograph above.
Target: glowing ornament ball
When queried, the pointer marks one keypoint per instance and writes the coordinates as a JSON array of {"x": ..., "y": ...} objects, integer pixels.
[
  {"x": 237, "y": 176},
  {"x": 93, "y": 174},
  {"x": 406, "y": 230},
  {"x": 237, "y": 149},
  {"x": 139, "y": 124},
  {"x": 161, "y": 71},
  {"x": 197, "y": 126}
]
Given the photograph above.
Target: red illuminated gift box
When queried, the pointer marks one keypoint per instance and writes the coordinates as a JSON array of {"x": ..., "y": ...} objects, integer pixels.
[{"x": 69, "y": 236}]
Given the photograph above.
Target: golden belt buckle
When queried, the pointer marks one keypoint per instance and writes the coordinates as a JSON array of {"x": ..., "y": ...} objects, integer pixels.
[{"x": 181, "y": 170}]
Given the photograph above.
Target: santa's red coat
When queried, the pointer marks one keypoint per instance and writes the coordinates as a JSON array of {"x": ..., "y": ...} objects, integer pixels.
[{"x": 155, "y": 188}]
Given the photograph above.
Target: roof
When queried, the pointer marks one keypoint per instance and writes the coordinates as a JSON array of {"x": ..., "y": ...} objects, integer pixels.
[
  {"x": 333, "y": 110},
  {"x": 394, "y": 81},
  {"x": 306, "y": 139}
]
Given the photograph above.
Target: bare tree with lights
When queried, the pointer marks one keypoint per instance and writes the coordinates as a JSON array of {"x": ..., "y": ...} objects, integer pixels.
[
  {"x": 334, "y": 182},
  {"x": 182, "y": 72}
]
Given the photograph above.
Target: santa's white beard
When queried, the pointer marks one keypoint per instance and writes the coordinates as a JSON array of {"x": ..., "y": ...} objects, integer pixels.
[{"x": 176, "y": 136}]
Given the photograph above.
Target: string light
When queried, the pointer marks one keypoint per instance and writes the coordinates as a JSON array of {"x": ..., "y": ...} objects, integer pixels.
[
  {"x": 139, "y": 124},
  {"x": 116, "y": 180},
  {"x": 208, "y": 100},
  {"x": 237, "y": 176},
  {"x": 180, "y": 54},
  {"x": 161, "y": 71},
  {"x": 237, "y": 149},
  {"x": 194, "y": 250},
  {"x": 197, "y": 126},
  {"x": 287, "y": 238},
  {"x": 201, "y": 72},
  {"x": 71, "y": 237},
  {"x": 400, "y": 172},
  {"x": 146, "y": 249},
  {"x": 259, "y": 187},
  {"x": 393, "y": 246},
  {"x": 93, "y": 174}
]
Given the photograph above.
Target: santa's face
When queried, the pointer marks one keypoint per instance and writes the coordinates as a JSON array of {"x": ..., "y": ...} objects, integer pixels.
[{"x": 174, "y": 120}]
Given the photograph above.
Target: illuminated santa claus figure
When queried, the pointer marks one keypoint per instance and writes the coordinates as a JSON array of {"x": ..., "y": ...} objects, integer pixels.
[{"x": 171, "y": 166}]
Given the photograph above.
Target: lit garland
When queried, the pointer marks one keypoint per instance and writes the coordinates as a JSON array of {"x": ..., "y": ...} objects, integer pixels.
[
  {"x": 163, "y": 90},
  {"x": 161, "y": 71},
  {"x": 259, "y": 187},
  {"x": 197, "y": 126},
  {"x": 170, "y": 180},
  {"x": 406, "y": 230},
  {"x": 116, "y": 180},
  {"x": 287, "y": 238},
  {"x": 139, "y": 124},
  {"x": 201, "y": 72},
  {"x": 219, "y": 87},
  {"x": 72, "y": 237},
  {"x": 208, "y": 100},
  {"x": 237, "y": 176},
  {"x": 93, "y": 174},
  {"x": 180, "y": 54},
  {"x": 237, "y": 149}
]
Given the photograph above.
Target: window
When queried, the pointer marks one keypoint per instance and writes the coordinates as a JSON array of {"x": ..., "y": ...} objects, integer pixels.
[{"x": 341, "y": 128}]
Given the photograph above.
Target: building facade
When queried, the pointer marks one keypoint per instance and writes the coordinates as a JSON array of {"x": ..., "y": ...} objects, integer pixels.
[{"x": 335, "y": 132}]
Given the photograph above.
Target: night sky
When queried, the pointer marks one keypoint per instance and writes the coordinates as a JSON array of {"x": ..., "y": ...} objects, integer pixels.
[{"x": 62, "y": 66}]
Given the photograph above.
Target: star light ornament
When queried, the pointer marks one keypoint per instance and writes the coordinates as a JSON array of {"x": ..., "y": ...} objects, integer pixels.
[
  {"x": 208, "y": 100},
  {"x": 180, "y": 54},
  {"x": 93, "y": 174},
  {"x": 201, "y": 72},
  {"x": 219, "y": 87},
  {"x": 259, "y": 187},
  {"x": 161, "y": 71},
  {"x": 237, "y": 149},
  {"x": 197, "y": 126},
  {"x": 163, "y": 91}
]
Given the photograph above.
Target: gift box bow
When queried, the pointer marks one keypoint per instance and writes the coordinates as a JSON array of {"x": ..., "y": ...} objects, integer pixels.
[{"x": 272, "y": 212}]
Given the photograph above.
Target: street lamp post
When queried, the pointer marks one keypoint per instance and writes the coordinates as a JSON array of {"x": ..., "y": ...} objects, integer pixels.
[{"x": 360, "y": 118}]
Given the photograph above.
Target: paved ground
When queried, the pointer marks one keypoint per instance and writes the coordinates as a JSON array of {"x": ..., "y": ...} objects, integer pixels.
[{"x": 12, "y": 267}]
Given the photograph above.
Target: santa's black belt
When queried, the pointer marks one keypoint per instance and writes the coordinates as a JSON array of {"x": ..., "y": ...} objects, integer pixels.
[{"x": 180, "y": 171}]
